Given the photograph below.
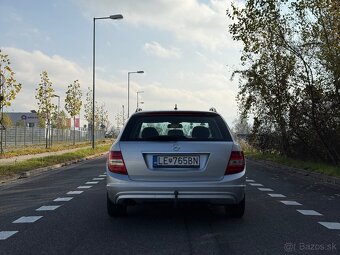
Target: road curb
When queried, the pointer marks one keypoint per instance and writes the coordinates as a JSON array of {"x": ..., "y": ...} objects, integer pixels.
[
  {"x": 298, "y": 171},
  {"x": 37, "y": 171}
]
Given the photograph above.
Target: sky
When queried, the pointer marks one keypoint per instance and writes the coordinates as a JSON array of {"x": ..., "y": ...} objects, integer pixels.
[{"x": 183, "y": 47}]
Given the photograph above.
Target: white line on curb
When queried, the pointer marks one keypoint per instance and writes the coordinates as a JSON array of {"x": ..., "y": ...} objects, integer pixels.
[
  {"x": 309, "y": 212},
  {"x": 265, "y": 189},
  {"x": 91, "y": 183},
  {"x": 62, "y": 199},
  {"x": 330, "y": 225},
  {"x": 27, "y": 219},
  {"x": 256, "y": 184},
  {"x": 74, "y": 192},
  {"x": 290, "y": 203},
  {"x": 84, "y": 187},
  {"x": 276, "y": 195},
  {"x": 6, "y": 234},
  {"x": 48, "y": 208}
]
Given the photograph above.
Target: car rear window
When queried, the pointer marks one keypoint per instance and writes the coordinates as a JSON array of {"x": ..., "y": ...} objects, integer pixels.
[{"x": 176, "y": 127}]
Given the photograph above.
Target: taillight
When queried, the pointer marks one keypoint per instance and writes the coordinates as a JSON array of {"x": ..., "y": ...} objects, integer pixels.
[
  {"x": 236, "y": 163},
  {"x": 116, "y": 163}
]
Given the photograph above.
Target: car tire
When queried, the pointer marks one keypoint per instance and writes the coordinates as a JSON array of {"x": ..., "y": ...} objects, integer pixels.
[
  {"x": 236, "y": 210},
  {"x": 115, "y": 210}
]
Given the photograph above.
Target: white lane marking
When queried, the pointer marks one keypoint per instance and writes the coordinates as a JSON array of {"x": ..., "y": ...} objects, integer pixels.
[
  {"x": 62, "y": 199},
  {"x": 256, "y": 184},
  {"x": 48, "y": 208},
  {"x": 290, "y": 203},
  {"x": 84, "y": 187},
  {"x": 102, "y": 175},
  {"x": 98, "y": 179},
  {"x": 309, "y": 212},
  {"x": 91, "y": 183},
  {"x": 248, "y": 180},
  {"x": 6, "y": 234},
  {"x": 27, "y": 219},
  {"x": 276, "y": 195},
  {"x": 74, "y": 192},
  {"x": 265, "y": 189},
  {"x": 330, "y": 225}
]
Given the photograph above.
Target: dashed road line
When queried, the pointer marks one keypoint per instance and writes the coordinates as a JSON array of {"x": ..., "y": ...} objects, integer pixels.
[
  {"x": 27, "y": 219},
  {"x": 330, "y": 225},
  {"x": 48, "y": 208},
  {"x": 309, "y": 212},
  {"x": 248, "y": 180},
  {"x": 276, "y": 195},
  {"x": 265, "y": 189},
  {"x": 102, "y": 175},
  {"x": 62, "y": 199},
  {"x": 6, "y": 234},
  {"x": 84, "y": 187},
  {"x": 98, "y": 179},
  {"x": 91, "y": 183},
  {"x": 74, "y": 192},
  {"x": 256, "y": 184},
  {"x": 290, "y": 203}
]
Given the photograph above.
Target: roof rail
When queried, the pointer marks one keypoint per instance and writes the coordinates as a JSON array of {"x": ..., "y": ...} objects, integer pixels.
[{"x": 212, "y": 109}]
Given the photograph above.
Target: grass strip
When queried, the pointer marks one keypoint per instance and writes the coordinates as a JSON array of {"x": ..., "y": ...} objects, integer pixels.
[
  {"x": 37, "y": 149},
  {"x": 312, "y": 166},
  {"x": 34, "y": 163}
]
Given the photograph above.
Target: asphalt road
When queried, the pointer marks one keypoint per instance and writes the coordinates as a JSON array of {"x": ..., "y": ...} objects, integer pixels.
[{"x": 82, "y": 226}]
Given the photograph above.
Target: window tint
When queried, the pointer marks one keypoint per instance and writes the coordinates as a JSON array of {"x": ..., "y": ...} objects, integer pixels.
[{"x": 176, "y": 127}]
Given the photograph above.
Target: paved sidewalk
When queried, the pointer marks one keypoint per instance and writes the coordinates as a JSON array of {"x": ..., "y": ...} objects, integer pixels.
[{"x": 13, "y": 160}]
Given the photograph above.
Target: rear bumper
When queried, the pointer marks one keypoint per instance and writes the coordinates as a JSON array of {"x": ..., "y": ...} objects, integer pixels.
[{"x": 229, "y": 190}]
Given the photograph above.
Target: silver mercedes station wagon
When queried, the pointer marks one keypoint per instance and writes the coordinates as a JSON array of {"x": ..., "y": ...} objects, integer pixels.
[{"x": 175, "y": 156}]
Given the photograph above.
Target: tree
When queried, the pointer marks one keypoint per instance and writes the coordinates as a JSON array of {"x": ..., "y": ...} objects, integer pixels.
[
  {"x": 73, "y": 103},
  {"x": 88, "y": 106},
  {"x": 241, "y": 126},
  {"x": 290, "y": 80},
  {"x": 59, "y": 120},
  {"x": 7, "y": 121},
  {"x": 9, "y": 88},
  {"x": 104, "y": 118},
  {"x": 44, "y": 94}
]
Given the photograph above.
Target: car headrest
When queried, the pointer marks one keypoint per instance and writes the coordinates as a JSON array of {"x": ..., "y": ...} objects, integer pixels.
[
  {"x": 149, "y": 132},
  {"x": 200, "y": 132}
]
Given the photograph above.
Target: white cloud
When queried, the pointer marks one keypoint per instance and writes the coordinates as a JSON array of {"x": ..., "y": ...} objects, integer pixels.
[
  {"x": 28, "y": 65},
  {"x": 158, "y": 50},
  {"x": 189, "y": 20}
]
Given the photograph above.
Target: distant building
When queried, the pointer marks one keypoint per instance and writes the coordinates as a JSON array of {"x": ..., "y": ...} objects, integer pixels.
[{"x": 27, "y": 119}]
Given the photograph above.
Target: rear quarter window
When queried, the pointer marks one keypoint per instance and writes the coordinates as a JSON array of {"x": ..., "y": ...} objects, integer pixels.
[{"x": 176, "y": 127}]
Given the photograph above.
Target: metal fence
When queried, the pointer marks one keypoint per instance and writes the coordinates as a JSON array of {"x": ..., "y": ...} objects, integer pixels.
[{"x": 22, "y": 136}]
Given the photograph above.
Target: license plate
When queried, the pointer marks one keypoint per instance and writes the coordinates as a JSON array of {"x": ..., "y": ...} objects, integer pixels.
[{"x": 176, "y": 161}]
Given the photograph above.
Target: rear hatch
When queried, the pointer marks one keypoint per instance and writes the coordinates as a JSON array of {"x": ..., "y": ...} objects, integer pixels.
[
  {"x": 176, "y": 146},
  {"x": 176, "y": 161}
]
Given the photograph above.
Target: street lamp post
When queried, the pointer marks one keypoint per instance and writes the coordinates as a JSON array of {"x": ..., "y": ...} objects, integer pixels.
[
  {"x": 116, "y": 16},
  {"x": 129, "y": 90},
  {"x": 138, "y": 92}
]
